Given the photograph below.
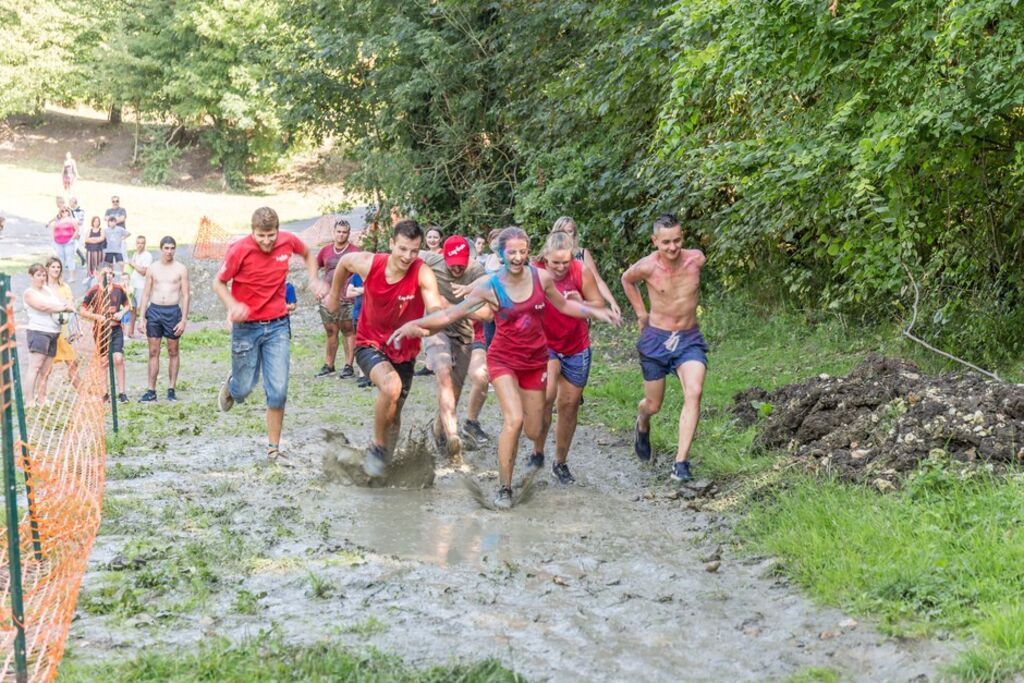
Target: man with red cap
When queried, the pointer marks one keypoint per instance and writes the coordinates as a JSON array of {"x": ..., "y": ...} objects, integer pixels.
[{"x": 449, "y": 350}]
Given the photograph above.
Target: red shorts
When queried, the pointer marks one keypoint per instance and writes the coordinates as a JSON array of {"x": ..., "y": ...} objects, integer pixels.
[{"x": 535, "y": 379}]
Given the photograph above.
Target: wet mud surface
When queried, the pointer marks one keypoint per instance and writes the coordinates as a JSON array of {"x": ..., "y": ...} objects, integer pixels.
[
  {"x": 614, "y": 578},
  {"x": 877, "y": 423}
]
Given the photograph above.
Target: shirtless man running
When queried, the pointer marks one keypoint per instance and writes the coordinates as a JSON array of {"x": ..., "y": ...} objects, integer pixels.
[
  {"x": 396, "y": 289},
  {"x": 163, "y": 313},
  {"x": 670, "y": 341}
]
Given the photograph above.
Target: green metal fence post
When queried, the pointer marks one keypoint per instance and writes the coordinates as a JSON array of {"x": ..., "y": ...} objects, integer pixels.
[
  {"x": 11, "y": 498},
  {"x": 26, "y": 464},
  {"x": 110, "y": 366}
]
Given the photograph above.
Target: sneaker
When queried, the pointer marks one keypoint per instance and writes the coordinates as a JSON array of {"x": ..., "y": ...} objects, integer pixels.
[
  {"x": 325, "y": 371},
  {"x": 472, "y": 427},
  {"x": 122, "y": 398},
  {"x": 148, "y": 397},
  {"x": 562, "y": 473},
  {"x": 536, "y": 461},
  {"x": 642, "y": 443},
  {"x": 364, "y": 382},
  {"x": 503, "y": 501},
  {"x": 681, "y": 471},
  {"x": 347, "y": 372},
  {"x": 225, "y": 401},
  {"x": 172, "y": 395},
  {"x": 375, "y": 461},
  {"x": 424, "y": 372}
]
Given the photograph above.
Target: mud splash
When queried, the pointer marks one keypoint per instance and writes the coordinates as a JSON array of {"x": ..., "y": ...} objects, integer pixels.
[{"x": 411, "y": 465}]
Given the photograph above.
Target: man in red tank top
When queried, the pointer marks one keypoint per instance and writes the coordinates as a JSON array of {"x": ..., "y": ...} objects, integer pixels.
[{"x": 396, "y": 289}]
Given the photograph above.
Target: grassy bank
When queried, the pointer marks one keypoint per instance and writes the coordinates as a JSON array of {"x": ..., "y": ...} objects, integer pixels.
[{"x": 941, "y": 556}]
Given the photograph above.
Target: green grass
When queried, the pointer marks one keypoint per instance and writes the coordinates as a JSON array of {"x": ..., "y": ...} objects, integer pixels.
[{"x": 267, "y": 658}]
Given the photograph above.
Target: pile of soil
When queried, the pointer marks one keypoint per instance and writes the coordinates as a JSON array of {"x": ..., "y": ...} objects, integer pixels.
[{"x": 886, "y": 416}]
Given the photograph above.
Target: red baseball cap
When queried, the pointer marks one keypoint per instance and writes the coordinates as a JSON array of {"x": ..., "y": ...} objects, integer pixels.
[{"x": 456, "y": 251}]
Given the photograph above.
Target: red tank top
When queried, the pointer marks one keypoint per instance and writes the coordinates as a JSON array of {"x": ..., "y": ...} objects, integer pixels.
[
  {"x": 387, "y": 306},
  {"x": 519, "y": 342},
  {"x": 567, "y": 335}
]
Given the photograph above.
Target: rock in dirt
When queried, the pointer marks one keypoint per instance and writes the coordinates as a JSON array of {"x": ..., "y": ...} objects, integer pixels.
[
  {"x": 410, "y": 466},
  {"x": 712, "y": 567},
  {"x": 881, "y": 420}
]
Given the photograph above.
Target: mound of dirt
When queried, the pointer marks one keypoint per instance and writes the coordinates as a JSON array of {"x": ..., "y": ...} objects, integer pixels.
[{"x": 886, "y": 416}]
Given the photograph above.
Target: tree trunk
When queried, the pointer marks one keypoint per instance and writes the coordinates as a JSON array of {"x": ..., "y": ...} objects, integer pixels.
[{"x": 114, "y": 115}]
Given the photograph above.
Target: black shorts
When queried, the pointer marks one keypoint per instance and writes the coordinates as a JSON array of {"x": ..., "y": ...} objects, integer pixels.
[
  {"x": 116, "y": 339},
  {"x": 43, "y": 342},
  {"x": 161, "y": 321},
  {"x": 113, "y": 257},
  {"x": 368, "y": 358}
]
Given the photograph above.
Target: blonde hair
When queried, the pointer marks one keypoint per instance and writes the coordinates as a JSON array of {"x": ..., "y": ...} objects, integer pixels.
[
  {"x": 557, "y": 241},
  {"x": 562, "y": 225}
]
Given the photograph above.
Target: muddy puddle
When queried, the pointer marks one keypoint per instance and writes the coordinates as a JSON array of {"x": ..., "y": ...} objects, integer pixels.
[{"x": 610, "y": 579}]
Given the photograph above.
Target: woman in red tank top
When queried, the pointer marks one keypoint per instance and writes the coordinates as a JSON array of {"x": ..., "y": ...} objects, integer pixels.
[{"x": 518, "y": 355}]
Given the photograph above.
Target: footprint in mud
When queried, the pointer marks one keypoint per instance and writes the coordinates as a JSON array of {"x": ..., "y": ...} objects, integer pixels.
[
  {"x": 522, "y": 492},
  {"x": 411, "y": 466}
]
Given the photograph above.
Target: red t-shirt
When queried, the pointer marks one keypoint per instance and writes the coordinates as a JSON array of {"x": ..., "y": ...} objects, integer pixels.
[
  {"x": 388, "y": 306},
  {"x": 257, "y": 278},
  {"x": 328, "y": 258},
  {"x": 566, "y": 335}
]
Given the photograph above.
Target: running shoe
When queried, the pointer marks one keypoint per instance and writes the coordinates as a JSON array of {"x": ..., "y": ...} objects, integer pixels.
[
  {"x": 642, "y": 443},
  {"x": 375, "y": 461},
  {"x": 325, "y": 371},
  {"x": 536, "y": 461},
  {"x": 681, "y": 471},
  {"x": 424, "y": 372},
  {"x": 225, "y": 401},
  {"x": 347, "y": 372},
  {"x": 472, "y": 427},
  {"x": 148, "y": 397},
  {"x": 172, "y": 395},
  {"x": 122, "y": 398},
  {"x": 562, "y": 473},
  {"x": 364, "y": 382},
  {"x": 503, "y": 501}
]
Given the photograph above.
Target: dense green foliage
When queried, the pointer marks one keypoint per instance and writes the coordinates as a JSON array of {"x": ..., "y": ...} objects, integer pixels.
[{"x": 818, "y": 156}]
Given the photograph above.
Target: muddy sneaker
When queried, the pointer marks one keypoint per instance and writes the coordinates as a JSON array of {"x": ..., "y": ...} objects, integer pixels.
[
  {"x": 347, "y": 372},
  {"x": 455, "y": 451},
  {"x": 424, "y": 372},
  {"x": 642, "y": 443},
  {"x": 122, "y": 398},
  {"x": 681, "y": 471},
  {"x": 536, "y": 462},
  {"x": 325, "y": 371},
  {"x": 503, "y": 501},
  {"x": 225, "y": 401},
  {"x": 562, "y": 473},
  {"x": 375, "y": 461},
  {"x": 278, "y": 457},
  {"x": 364, "y": 382},
  {"x": 148, "y": 397},
  {"x": 472, "y": 427},
  {"x": 172, "y": 395}
]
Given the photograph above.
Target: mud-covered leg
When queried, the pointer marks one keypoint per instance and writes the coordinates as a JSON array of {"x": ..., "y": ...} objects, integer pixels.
[{"x": 550, "y": 394}]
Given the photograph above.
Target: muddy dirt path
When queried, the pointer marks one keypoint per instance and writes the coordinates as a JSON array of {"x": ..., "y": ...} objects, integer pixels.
[{"x": 604, "y": 580}]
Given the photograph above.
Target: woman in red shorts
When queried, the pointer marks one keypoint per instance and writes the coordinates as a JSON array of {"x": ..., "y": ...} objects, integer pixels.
[{"x": 517, "y": 358}]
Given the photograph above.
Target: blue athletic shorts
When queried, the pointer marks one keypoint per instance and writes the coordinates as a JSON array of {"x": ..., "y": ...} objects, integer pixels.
[
  {"x": 661, "y": 351},
  {"x": 575, "y": 368},
  {"x": 161, "y": 321}
]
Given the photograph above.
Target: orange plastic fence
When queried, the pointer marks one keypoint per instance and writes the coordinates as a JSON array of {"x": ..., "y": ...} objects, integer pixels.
[
  {"x": 64, "y": 463},
  {"x": 212, "y": 241}
]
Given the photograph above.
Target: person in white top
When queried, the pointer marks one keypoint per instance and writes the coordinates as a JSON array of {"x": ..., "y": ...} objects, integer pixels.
[
  {"x": 41, "y": 303},
  {"x": 140, "y": 262}
]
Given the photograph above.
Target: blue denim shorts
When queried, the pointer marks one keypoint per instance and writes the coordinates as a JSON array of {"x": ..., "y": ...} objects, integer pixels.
[
  {"x": 662, "y": 351},
  {"x": 575, "y": 368},
  {"x": 257, "y": 347}
]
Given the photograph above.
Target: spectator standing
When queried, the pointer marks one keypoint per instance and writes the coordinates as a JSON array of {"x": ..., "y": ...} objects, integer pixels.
[
  {"x": 40, "y": 303},
  {"x": 78, "y": 213},
  {"x": 65, "y": 352},
  {"x": 140, "y": 262},
  {"x": 113, "y": 252},
  {"x": 64, "y": 233},
  {"x": 163, "y": 314},
  {"x": 106, "y": 304},
  {"x": 95, "y": 244},
  {"x": 69, "y": 174}
]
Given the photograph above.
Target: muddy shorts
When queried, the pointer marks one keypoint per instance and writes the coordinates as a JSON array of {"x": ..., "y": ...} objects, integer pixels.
[
  {"x": 368, "y": 357},
  {"x": 575, "y": 368},
  {"x": 344, "y": 313},
  {"x": 446, "y": 351},
  {"x": 161, "y": 321},
  {"x": 534, "y": 379},
  {"x": 43, "y": 342},
  {"x": 662, "y": 352}
]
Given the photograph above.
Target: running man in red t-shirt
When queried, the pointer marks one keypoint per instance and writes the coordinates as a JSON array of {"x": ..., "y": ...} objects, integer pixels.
[
  {"x": 327, "y": 260},
  {"x": 517, "y": 358},
  {"x": 396, "y": 288},
  {"x": 257, "y": 267}
]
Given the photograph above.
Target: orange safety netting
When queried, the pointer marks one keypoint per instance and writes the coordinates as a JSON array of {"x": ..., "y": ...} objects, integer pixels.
[
  {"x": 212, "y": 241},
  {"x": 63, "y": 461}
]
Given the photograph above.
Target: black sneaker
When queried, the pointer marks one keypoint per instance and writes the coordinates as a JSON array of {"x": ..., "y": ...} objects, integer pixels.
[
  {"x": 347, "y": 372},
  {"x": 122, "y": 398},
  {"x": 325, "y": 371},
  {"x": 642, "y": 443},
  {"x": 562, "y": 473},
  {"x": 536, "y": 461},
  {"x": 503, "y": 500},
  {"x": 375, "y": 461},
  {"x": 148, "y": 397},
  {"x": 424, "y": 372},
  {"x": 171, "y": 395},
  {"x": 681, "y": 471},
  {"x": 364, "y": 382},
  {"x": 472, "y": 427}
]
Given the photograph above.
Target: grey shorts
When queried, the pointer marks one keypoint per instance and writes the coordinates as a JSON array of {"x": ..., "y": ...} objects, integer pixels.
[
  {"x": 444, "y": 351},
  {"x": 43, "y": 342},
  {"x": 344, "y": 313}
]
